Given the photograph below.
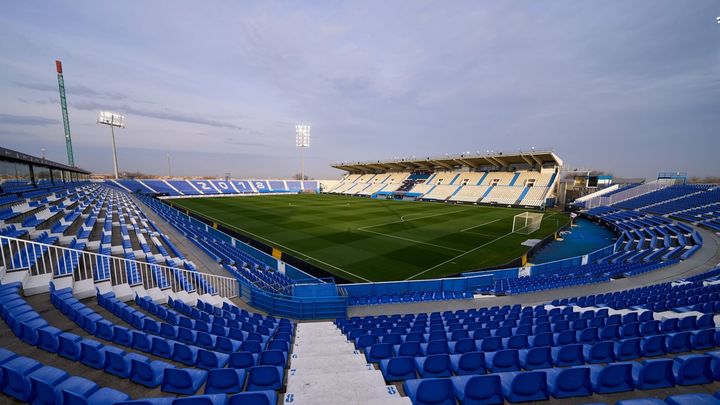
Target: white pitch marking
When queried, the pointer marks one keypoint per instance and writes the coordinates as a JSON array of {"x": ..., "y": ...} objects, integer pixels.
[
  {"x": 409, "y": 240},
  {"x": 458, "y": 256},
  {"x": 463, "y": 254},
  {"x": 402, "y": 219},
  {"x": 477, "y": 226}
]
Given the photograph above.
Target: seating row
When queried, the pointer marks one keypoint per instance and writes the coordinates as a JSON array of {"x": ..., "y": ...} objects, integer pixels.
[{"x": 579, "y": 381}]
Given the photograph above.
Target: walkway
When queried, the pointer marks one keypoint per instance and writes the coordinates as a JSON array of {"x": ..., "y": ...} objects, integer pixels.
[{"x": 326, "y": 369}]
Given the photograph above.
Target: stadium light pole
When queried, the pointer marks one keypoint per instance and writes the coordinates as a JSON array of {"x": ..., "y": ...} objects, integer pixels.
[
  {"x": 112, "y": 120},
  {"x": 302, "y": 141}
]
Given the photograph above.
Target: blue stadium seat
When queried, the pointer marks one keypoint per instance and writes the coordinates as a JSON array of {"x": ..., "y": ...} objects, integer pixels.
[
  {"x": 435, "y": 347},
  {"x": 412, "y": 349},
  {"x": 162, "y": 347},
  {"x": 569, "y": 382},
  {"x": 225, "y": 380},
  {"x": 430, "y": 391},
  {"x": 69, "y": 346},
  {"x": 277, "y": 358},
  {"x": 687, "y": 323},
  {"x": 503, "y": 361},
  {"x": 254, "y": 398},
  {"x": 653, "y": 374},
  {"x": 702, "y": 339},
  {"x": 141, "y": 341},
  {"x": 103, "y": 396},
  {"x": 628, "y": 349},
  {"x": 568, "y": 355},
  {"x": 148, "y": 374},
  {"x": 641, "y": 401},
  {"x": 536, "y": 358},
  {"x": 119, "y": 363},
  {"x": 185, "y": 354},
  {"x": 375, "y": 353},
  {"x": 104, "y": 330},
  {"x": 678, "y": 342},
  {"x": 541, "y": 340},
  {"x": 75, "y": 389},
  {"x": 43, "y": 382},
  {"x": 227, "y": 345},
  {"x": 653, "y": 346},
  {"x": 242, "y": 360},
  {"x": 398, "y": 368},
  {"x": 92, "y": 353},
  {"x": 14, "y": 377},
  {"x": 122, "y": 336},
  {"x": 474, "y": 389},
  {"x": 5, "y": 356},
  {"x": 714, "y": 364},
  {"x": 48, "y": 338},
  {"x": 207, "y": 359},
  {"x": 215, "y": 399},
  {"x": 616, "y": 377},
  {"x": 149, "y": 401},
  {"x": 599, "y": 352},
  {"x": 524, "y": 386},
  {"x": 261, "y": 378},
  {"x": 693, "y": 369},
  {"x": 183, "y": 380},
  {"x": 464, "y": 345},
  {"x": 471, "y": 363},
  {"x": 692, "y": 399},
  {"x": 491, "y": 344},
  {"x": 438, "y": 365}
]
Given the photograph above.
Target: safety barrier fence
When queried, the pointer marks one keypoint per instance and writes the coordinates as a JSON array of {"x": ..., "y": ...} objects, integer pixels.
[{"x": 59, "y": 262}]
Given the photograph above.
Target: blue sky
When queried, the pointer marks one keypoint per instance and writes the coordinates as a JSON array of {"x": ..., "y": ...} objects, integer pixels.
[{"x": 628, "y": 87}]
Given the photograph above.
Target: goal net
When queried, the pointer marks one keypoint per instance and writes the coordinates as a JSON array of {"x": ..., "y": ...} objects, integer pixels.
[{"x": 527, "y": 222}]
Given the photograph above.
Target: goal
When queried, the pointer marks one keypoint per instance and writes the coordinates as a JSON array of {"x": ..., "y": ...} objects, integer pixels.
[{"x": 527, "y": 222}]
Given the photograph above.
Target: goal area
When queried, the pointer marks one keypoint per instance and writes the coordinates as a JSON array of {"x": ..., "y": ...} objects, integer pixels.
[{"x": 527, "y": 222}]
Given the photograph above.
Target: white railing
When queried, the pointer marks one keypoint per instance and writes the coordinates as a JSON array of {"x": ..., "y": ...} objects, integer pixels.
[
  {"x": 42, "y": 259},
  {"x": 631, "y": 192},
  {"x": 598, "y": 193}
]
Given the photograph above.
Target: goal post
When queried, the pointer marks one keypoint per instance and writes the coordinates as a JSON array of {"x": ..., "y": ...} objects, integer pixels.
[{"x": 527, "y": 222}]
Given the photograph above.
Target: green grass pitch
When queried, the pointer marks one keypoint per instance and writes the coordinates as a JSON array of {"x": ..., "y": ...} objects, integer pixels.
[{"x": 364, "y": 239}]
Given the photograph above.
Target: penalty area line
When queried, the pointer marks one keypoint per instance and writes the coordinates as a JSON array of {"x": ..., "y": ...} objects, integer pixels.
[
  {"x": 409, "y": 240},
  {"x": 477, "y": 226},
  {"x": 458, "y": 256}
]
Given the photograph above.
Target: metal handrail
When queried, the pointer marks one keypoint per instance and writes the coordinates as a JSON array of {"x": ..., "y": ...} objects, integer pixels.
[{"x": 41, "y": 259}]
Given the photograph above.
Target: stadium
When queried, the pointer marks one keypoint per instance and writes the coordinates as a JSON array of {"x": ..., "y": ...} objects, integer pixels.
[{"x": 487, "y": 277}]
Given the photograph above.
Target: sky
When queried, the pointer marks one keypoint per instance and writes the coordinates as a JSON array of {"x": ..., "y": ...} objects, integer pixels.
[{"x": 628, "y": 87}]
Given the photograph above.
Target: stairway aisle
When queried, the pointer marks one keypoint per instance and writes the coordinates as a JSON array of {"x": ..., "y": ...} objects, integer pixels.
[{"x": 326, "y": 369}]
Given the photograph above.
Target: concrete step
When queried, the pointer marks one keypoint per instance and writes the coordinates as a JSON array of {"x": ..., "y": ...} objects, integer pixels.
[
  {"x": 320, "y": 340},
  {"x": 338, "y": 347},
  {"x": 340, "y": 388},
  {"x": 324, "y": 361},
  {"x": 368, "y": 377},
  {"x": 316, "y": 325},
  {"x": 328, "y": 331},
  {"x": 332, "y": 368},
  {"x": 293, "y": 399}
]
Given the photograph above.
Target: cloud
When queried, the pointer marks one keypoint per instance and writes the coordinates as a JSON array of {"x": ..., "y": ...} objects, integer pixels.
[
  {"x": 31, "y": 120},
  {"x": 166, "y": 115},
  {"x": 75, "y": 89},
  {"x": 8, "y": 132}
]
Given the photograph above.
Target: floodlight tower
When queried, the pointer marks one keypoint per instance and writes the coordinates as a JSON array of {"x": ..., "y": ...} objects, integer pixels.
[
  {"x": 64, "y": 110},
  {"x": 112, "y": 120},
  {"x": 302, "y": 141}
]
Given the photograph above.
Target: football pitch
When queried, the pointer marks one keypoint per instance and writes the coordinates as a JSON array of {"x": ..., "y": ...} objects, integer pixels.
[{"x": 364, "y": 239}]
